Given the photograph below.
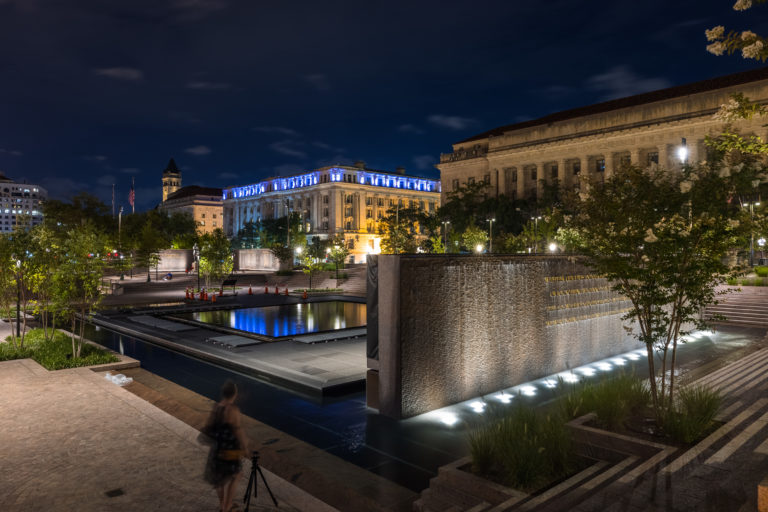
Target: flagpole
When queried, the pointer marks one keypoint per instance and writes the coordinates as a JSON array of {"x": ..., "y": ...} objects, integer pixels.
[
  {"x": 113, "y": 200},
  {"x": 133, "y": 195}
]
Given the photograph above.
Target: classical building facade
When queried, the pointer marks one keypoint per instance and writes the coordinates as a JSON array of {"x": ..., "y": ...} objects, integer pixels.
[
  {"x": 588, "y": 142},
  {"x": 340, "y": 200},
  {"x": 20, "y": 202},
  {"x": 204, "y": 204}
]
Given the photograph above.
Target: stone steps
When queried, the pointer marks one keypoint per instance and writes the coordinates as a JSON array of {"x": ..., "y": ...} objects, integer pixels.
[{"x": 748, "y": 308}]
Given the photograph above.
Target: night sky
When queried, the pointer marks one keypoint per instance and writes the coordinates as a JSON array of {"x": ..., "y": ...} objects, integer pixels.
[{"x": 95, "y": 92}]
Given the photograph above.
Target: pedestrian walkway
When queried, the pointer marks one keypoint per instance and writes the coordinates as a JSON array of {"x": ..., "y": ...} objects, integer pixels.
[{"x": 72, "y": 440}]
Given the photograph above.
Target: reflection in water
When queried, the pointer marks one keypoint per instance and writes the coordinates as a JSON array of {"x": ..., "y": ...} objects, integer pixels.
[{"x": 287, "y": 320}]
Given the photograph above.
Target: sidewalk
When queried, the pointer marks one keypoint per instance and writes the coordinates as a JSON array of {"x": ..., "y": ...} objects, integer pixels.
[{"x": 70, "y": 439}]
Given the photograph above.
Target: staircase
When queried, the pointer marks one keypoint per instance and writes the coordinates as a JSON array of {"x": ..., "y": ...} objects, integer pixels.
[
  {"x": 355, "y": 284},
  {"x": 747, "y": 307}
]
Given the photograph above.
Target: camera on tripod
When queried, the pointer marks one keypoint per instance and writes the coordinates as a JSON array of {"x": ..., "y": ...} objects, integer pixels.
[{"x": 253, "y": 481}]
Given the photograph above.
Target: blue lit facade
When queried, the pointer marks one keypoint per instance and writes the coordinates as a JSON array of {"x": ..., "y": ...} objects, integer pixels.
[{"x": 339, "y": 200}]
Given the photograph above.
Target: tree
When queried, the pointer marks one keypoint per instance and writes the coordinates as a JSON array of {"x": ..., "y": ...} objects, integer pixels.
[
  {"x": 751, "y": 45},
  {"x": 312, "y": 265},
  {"x": 660, "y": 238},
  {"x": 474, "y": 237},
  {"x": 399, "y": 229},
  {"x": 283, "y": 254},
  {"x": 338, "y": 253},
  {"x": 7, "y": 281},
  {"x": 77, "y": 280},
  {"x": 44, "y": 259},
  {"x": 150, "y": 243},
  {"x": 216, "y": 260},
  {"x": 248, "y": 237}
]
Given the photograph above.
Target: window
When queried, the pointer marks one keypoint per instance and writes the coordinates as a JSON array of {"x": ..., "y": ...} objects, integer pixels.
[
  {"x": 553, "y": 171},
  {"x": 214, "y": 223},
  {"x": 625, "y": 160},
  {"x": 514, "y": 176},
  {"x": 349, "y": 199},
  {"x": 534, "y": 174},
  {"x": 309, "y": 202},
  {"x": 325, "y": 225},
  {"x": 379, "y": 214},
  {"x": 380, "y": 201},
  {"x": 653, "y": 157},
  {"x": 431, "y": 206},
  {"x": 368, "y": 213},
  {"x": 576, "y": 168},
  {"x": 391, "y": 202},
  {"x": 214, "y": 216},
  {"x": 325, "y": 212},
  {"x": 202, "y": 223},
  {"x": 202, "y": 216},
  {"x": 349, "y": 225},
  {"x": 421, "y": 205},
  {"x": 470, "y": 181},
  {"x": 348, "y": 212},
  {"x": 487, "y": 178},
  {"x": 298, "y": 203},
  {"x": 369, "y": 201},
  {"x": 325, "y": 199},
  {"x": 600, "y": 165},
  {"x": 455, "y": 184}
]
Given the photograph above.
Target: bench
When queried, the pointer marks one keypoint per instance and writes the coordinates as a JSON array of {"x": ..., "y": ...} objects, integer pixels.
[{"x": 229, "y": 282}]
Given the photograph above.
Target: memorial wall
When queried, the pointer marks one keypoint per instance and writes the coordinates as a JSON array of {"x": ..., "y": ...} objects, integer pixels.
[{"x": 450, "y": 328}]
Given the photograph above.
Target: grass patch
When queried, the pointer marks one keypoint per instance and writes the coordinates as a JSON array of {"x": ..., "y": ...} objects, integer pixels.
[
  {"x": 611, "y": 399},
  {"x": 761, "y": 271},
  {"x": 522, "y": 448},
  {"x": 693, "y": 415},
  {"x": 56, "y": 353}
]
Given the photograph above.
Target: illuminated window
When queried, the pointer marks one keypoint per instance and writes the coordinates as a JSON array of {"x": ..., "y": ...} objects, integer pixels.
[
  {"x": 380, "y": 201},
  {"x": 349, "y": 225},
  {"x": 368, "y": 213},
  {"x": 348, "y": 212},
  {"x": 600, "y": 165},
  {"x": 369, "y": 201},
  {"x": 349, "y": 199}
]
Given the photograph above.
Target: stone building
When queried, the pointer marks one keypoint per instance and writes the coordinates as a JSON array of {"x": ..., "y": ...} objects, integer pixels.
[
  {"x": 202, "y": 203},
  {"x": 339, "y": 200},
  {"x": 582, "y": 143},
  {"x": 19, "y": 201}
]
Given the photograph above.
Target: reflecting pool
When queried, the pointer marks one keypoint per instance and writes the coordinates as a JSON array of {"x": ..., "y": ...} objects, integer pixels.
[{"x": 288, "y": 319}]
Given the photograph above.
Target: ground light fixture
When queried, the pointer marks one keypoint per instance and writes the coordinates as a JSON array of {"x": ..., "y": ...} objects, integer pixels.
[
  {"x": 682, "y": 151},
  {"x": 552, "y": 247},
  {"x": 479, "y": 248}
]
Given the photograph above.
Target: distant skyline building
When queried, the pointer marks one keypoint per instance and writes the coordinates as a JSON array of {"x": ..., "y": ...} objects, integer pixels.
[
  {"x": 171, "y": 179},
  {"x": 19, "y": 201},
  {"x": 575, "y": 145},
  {"x": 337, "y": 200},
  {"x": 204, "y": 204}
]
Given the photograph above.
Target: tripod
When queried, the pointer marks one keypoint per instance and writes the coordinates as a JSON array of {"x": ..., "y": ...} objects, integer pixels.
[{"x": 253, "y": 484}]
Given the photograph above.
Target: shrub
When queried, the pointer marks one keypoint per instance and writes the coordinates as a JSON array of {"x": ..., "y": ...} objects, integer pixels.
[
  {"x": 732, "y": 281},
  {"x": 761, "y": 271},
  {"x": 524, "y": 447},
  {"x": 611, "y": 399},
  {"x": 693, "y": 414},
  {"x": 55, "y": 353}
]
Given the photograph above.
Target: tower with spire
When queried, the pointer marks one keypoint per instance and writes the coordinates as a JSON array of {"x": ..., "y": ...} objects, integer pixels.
[{"x": 171, "y": 179}]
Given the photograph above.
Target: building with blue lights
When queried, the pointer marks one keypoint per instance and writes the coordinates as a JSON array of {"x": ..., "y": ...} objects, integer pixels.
[{"x": 339, "y": 200}]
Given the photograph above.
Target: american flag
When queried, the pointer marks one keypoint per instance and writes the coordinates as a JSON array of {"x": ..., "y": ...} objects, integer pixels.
[{"x": 132, "y": 197}]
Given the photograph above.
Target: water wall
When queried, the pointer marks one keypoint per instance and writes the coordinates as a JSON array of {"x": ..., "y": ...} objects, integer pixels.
[
  {"x": 255, "y": 259},
  {"x": 455, "y": 327}
]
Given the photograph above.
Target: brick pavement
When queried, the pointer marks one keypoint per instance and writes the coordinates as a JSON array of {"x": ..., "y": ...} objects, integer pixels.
[{"x": 70, "y": 436}]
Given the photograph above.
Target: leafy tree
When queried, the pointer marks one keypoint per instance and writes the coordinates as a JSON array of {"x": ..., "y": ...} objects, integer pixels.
[
  {"x": 44, "y": 259},
  {"x": 148, "y": 248},
  {"x": 248, "y": 237},
  {"x": 751, "y": 45},
  {"x": 312, "y": 266},
  {"x": 473, "y": 237},
  {"x": 7, "y": 281},
  {"x": 339, "y": 252},
  {"x": 283, "y": 254},
  {"x": 399, "y": 229},
  {"x": 77, "y": 280},
  {"x": 660, "y": 238},
  {"x": 84, "y": 208},
  {"x": 216, "y": 260}
]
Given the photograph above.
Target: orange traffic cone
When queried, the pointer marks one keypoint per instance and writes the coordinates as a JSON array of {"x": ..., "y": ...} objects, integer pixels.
[
  {"x": 250, "y": 291},
  {"x": 213, "y": 298},
  {"x": 221, "y": 291},
  {"x": 304, "y": 296},
  {"x": 277, "y": 291},
  {"x": 266, "y": 289},
  {"x": 286, "y": 291}
]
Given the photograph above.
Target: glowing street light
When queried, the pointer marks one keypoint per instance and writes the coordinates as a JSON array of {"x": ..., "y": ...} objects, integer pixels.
[
  {"x": 552, "y": 247},
  {"x": 445, "y": 234},
  {"x": 479, "y": 248},
  {"x": 682, "y": 151},
  {"x": 535, "y": 233}
]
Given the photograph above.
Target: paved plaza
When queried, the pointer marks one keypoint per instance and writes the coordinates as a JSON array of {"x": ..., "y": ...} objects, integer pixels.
[{"x": 71, "y": 438}]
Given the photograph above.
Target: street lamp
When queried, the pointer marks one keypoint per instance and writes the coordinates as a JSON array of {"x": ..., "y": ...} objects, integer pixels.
[
  {"x": 298, "y": 252},
  {"x": 552, "y": 247},
  {"x": 682, "y": 151},
  {"x": 761, "y": 243},
  {"x": 752, "y": 232},
  {"x": 196, "y": 255},
  {"x": 490, "y": 238},
  {"x": 445, "y": 234},
  {"x": 18, "y": 299},
  {"x": 535, "y": 233},
  {"x": 479, "y": 248}
]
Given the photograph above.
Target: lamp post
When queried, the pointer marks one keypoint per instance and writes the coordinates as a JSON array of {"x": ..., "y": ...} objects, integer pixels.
[
  {"x": 535, "y": 233},
  {"x": 553, "y": 247},
  {"x": 18, "y": 298},
  {"x": 196, "y": 255},
  {"x": 445, "y": 234},
  {"x": 761, "y": 243},
  {"x": 490, "y": 238},
  {"x": 298, "y": 253},
  {"x": 752, "y": 232}
]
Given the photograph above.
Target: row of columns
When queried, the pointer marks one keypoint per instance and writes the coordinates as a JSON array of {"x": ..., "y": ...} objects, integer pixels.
[{"x": 524, "y": 184}]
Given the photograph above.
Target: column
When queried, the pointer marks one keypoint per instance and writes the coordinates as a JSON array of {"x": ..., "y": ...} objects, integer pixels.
[
  {"x": 563, "y": 174},
  {"x": 585, "y": 173},
  {"x": 693, "y": 151},
  {"x": 608, "y": 165},
  {"x": 520, "y": 182},
  {"x": 663, "y": 156},
  {"x": 541, "y": 179}
]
